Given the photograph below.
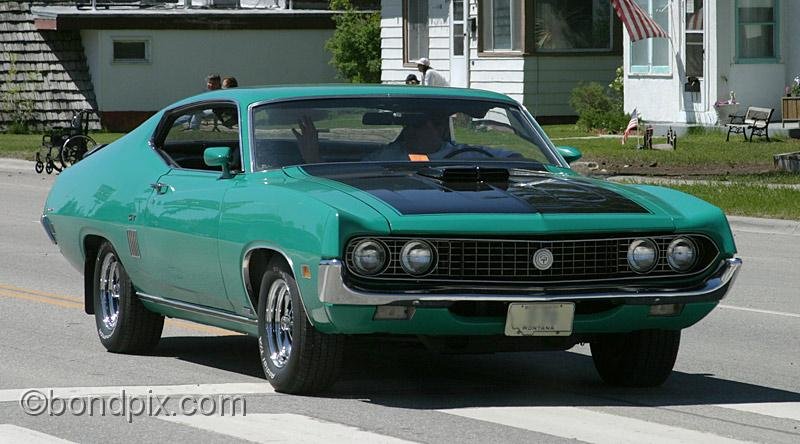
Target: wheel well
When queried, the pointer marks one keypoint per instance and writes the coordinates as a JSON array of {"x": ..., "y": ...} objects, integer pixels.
[
  {"x": 255, "y": 264},
  {"x": 91, "y": 245}
]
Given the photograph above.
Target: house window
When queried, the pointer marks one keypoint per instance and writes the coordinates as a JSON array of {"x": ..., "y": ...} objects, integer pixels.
[
  {"x": 131, "y": 51},
  {"x": 415, "y": 29},
  {"x": 573, "y": 25},
  {"x": 503, "y": 25},
  {"x": 694, "y": 38},
  {"x": 756, "y": 30},
  {"x": 651, "y": 56}
]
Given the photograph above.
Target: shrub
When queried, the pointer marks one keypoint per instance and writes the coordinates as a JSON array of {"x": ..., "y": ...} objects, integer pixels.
[
  {"x": 15, "y": 103},
  {"x": 356, "y": 43},
  {"x": 597, "y": 109}
]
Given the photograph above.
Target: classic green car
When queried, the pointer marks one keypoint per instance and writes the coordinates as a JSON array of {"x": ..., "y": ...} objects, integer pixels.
[{"x": 306, "y": 215}]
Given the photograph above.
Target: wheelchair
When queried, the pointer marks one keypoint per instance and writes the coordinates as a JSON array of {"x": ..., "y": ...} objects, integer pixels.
[{"x": 63, "y": 147}]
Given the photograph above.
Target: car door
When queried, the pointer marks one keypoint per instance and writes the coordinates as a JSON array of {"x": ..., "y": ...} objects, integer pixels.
[{"x": 180, "y": 226}]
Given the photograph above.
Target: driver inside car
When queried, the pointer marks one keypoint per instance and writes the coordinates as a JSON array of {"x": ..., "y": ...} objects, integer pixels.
[{"x": 422, "y": 139}]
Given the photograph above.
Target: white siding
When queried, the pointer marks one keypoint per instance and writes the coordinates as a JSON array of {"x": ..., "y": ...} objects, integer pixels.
[
  {"x": 549, "y": 81},
  {"x": 543, "y": 84},
  {"x": 254, "y": 57},
  {"x": 392, "y": 69}
]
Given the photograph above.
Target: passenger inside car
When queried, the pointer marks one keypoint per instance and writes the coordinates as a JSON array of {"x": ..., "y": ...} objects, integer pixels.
[{"x": 423, "y": 137}]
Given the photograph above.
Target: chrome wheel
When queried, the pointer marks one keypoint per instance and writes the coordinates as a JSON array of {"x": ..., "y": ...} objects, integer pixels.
[
  {"x": 279, "y": 323},
  {"x": 109, "y": 285}
]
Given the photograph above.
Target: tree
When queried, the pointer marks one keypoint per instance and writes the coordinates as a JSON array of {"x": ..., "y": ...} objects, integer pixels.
[{"x": 356, "y": 43}]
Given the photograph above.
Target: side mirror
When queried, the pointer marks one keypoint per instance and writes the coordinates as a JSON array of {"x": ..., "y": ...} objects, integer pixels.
[
  {"x": 219, "y": 156},
  {"x": 569, "y": 153}
]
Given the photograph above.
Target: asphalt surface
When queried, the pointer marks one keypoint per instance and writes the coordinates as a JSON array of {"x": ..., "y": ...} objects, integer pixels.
[{"x": 737, "y": 375}]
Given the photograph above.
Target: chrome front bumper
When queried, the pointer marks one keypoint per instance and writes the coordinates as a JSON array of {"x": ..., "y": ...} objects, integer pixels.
[{"x": 332, "y": 289}]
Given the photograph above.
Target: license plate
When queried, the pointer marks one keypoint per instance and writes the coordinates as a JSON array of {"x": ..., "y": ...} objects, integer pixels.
[{"x": 540, "y": 319}]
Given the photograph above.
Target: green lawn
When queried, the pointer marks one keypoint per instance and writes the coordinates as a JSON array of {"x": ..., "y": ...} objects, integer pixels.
[
  {"x": 25, "y": 146},
  {"x": 700, "y": 152},
  {"x": 749, "y": 200}
]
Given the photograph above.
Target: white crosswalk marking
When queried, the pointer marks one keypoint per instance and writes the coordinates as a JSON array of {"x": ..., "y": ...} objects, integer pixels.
[
  {"x": 11, "y": 434},
  {"x": 156, "y": 390},
  {"x": 787, "y": 410},
  {"x": 282, "y": 427},
  {"x": 587, "y": 425}
]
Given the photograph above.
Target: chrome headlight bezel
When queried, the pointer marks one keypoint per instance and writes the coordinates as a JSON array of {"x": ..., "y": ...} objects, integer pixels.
[
  {"x": 631, "y": 256},
  {"x": 407, "y": 265},
  {"x": 356, "y": 257},
  {"x": 671, "y": 251}
]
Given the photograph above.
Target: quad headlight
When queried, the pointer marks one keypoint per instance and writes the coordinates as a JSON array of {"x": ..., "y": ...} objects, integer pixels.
[
  {"x": 681, "y": 254},
  {"x": 417, "y": 257},
  {"x": 369, "y": 257},
  {"x": 642, "y": 255}
]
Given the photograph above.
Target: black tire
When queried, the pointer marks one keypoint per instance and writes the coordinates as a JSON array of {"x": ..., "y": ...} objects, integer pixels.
[
  {"x": 314, "y": 359},
  {"x": 39, "y": 166},
  {"x": 135, "y": 329},
  {"x": 637, "y": 359}
]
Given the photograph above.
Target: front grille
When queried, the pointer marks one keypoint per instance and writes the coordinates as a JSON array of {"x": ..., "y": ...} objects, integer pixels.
[{"x": 491, "y": 260}]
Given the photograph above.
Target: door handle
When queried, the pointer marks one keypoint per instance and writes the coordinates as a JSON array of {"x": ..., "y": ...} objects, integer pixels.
[{"x": 161, "y": 188}]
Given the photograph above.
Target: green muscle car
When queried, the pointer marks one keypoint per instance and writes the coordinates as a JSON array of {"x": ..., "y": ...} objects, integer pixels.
[{"x": 305, "y": 215}]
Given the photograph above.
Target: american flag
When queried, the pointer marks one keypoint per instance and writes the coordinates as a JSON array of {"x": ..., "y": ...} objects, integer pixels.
[
  {"x": 638, "y": 22},
  {"x": 632, "y": 125}
]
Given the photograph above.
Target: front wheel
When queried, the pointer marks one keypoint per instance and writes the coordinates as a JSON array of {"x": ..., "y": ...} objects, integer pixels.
[
  {"x": 296, "y": 357},
  {"x": 124, "y": 325},
  {"x": 637, "y": 359}
]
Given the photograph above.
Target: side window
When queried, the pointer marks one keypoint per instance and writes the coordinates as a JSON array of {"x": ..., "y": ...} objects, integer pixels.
[{"x": 193, "y": 130}]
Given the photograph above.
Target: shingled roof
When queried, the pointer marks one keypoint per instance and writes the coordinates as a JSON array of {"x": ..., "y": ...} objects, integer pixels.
[{"x": 49, "y": 67}]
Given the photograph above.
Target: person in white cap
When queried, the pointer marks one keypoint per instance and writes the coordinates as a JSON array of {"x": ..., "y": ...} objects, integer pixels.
[{"x": 430, "y": 77}]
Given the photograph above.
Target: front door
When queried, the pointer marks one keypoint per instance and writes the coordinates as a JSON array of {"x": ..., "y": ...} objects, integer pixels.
[
  {"x": 695, "y": 99},
  {"x": 459, "y": 44},
  {"x": 178, "y": 238},
  {"x": 179, "y": 229}
]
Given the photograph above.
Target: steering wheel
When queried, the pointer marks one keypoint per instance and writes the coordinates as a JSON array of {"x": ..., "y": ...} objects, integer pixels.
[{"x": 470, "y": 149}]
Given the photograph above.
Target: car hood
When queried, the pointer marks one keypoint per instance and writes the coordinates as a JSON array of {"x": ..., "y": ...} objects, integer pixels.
[{"x": 523, "y": 198}]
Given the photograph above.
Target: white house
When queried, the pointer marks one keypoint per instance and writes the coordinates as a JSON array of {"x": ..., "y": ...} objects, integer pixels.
[
  {"x": 536, "y": 51},
  {"x": 750, "y": 47}
]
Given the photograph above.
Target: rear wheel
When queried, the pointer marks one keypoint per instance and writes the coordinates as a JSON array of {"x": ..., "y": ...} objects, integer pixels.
[
  {"x": 124, "y": 325},
  {"x": 637, "y": 359},
  {"x": 296, "y": 357}
]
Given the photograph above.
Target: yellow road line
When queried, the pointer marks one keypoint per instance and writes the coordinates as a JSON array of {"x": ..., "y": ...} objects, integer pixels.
[
  {"x": 43, "y": 299},
  {"x": 41, "y": 293},
  {"x": 67, "y": 302}
]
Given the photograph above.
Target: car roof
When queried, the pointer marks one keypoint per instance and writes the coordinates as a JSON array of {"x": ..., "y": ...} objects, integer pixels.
[{"x": 249, "y": 95}]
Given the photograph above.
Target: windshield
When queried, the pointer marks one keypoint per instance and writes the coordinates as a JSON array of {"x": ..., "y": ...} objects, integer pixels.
[{"x": 409, "y": 129}]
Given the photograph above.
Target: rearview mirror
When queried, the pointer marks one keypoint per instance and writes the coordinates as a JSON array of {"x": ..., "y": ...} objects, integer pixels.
[
  {"x": 569, "y": 153},
  {"x": 219, "y": 156}
]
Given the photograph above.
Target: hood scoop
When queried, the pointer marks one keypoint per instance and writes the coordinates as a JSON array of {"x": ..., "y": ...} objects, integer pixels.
[{"x": 463, "y": 175}]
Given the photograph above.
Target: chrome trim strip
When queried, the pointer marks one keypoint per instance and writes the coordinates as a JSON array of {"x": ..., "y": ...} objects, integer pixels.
[
  {"x": 197, "y": 309},
  {"x": 333, "y": 290},
  {"x": 48, "y": 228},
  {"x": 246, "y": 276}
]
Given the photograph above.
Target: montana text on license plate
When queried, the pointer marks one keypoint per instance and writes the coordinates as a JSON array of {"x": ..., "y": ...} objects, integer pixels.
[{"x": 540, "y": 319}]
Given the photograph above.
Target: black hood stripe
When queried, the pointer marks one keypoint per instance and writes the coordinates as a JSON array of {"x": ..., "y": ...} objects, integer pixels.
[{"x": 401, "y": 186}]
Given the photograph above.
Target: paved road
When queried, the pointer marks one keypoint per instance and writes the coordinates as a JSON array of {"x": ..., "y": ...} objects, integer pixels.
[{"x": 737, "y": 375}]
